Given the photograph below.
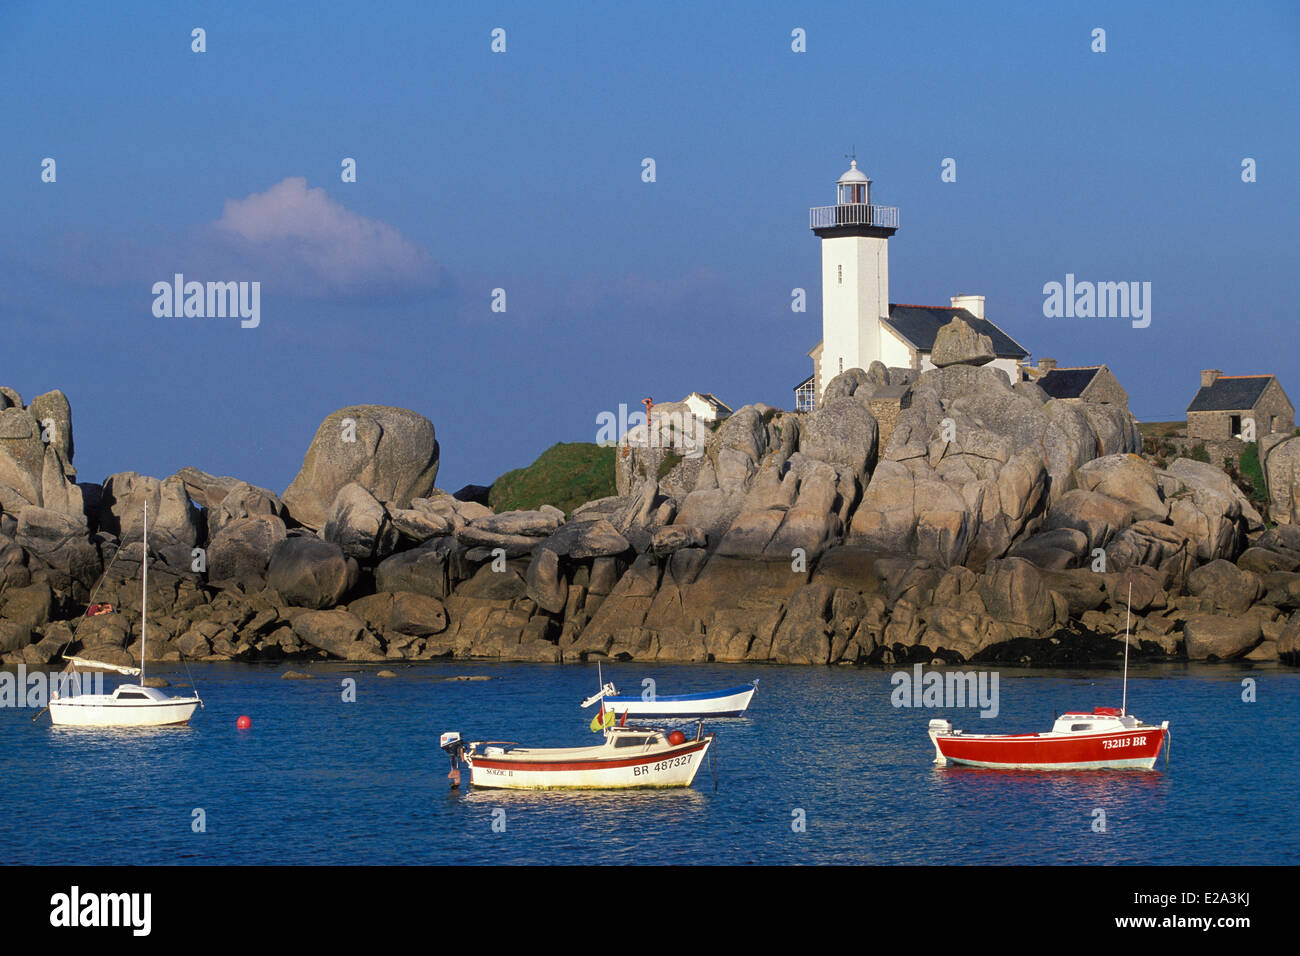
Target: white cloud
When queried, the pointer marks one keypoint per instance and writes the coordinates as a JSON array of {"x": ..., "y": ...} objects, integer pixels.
[{"x": 316, "y": 244}]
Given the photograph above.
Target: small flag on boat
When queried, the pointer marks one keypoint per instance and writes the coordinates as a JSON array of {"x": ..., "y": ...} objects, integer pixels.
[
  {"x": 622, "y": 721},
  {"x": 602, "y": 720}
]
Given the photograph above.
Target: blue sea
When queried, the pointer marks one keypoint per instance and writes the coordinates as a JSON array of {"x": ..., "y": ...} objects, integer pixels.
[{"x": 321, "y": 780}]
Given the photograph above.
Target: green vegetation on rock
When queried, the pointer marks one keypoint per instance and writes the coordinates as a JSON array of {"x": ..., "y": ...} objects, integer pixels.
[
  {"x": 670, "y": 461},
  {"x": 565, "y": 475},
  {"x": 1254, "y": 474}
]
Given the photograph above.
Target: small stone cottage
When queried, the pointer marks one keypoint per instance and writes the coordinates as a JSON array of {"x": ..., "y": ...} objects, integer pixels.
[
  {"x": 1085, "y": 383},
  {"x": 1244, "y": 407}
]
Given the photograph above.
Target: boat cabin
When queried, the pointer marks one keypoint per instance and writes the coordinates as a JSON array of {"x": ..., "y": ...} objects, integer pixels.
[
  {"x": 634, "y": 737},
  {"x": 1102, "y": 719},
  {"x": 134, "y": 692},
  {"x": 124, "y": 693}
]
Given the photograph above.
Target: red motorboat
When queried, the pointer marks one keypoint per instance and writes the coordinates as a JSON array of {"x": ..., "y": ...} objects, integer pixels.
[
  {"x": 1105, "y": 739},
  {"x": 1108, "y": 738}
]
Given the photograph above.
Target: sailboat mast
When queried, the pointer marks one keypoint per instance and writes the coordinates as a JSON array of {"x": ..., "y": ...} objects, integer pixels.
[
  {"x": 1123, "y": 706},
  {"x": 144, "y": 589}
]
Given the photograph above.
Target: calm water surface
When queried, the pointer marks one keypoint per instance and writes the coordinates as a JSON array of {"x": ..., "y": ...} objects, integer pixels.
[{"x": 317, "y": 780}]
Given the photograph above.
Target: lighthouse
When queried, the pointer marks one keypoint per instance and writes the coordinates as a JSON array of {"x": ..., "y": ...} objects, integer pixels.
[
  {"x": 855, "y": 276},
  {"x": 859, "y": 324}
]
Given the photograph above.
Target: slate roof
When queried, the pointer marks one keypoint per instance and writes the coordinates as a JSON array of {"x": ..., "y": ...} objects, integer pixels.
[
  {"x": 1230, "y": 393},
  {"x": 1067, "y": 382},
  {"x": 919, "y": 324}
]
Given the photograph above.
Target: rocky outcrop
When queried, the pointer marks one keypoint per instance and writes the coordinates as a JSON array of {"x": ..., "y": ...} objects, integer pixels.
[
  {"x": 241, "y": 551},
  {"x": 58, "y": 541},
  {"x": 516, "y": 533},
  {"x": 1097, "y": 516},
  {"x": 1013, "y": 591},
  {"x": 242, "y": 500},
  {"x": 400, "y": 616},
  {"x": 1226, "y": 587},
  {"x": 545, "y": 583},
  {"x": 673, "y": 538},
  {"x": 1127, "y": 479},
  {"x": 36, "y": 456},
  {"x": 580, "y": 540},
  {"x": 175, "y": 528},
  {"x": 359, "y": 525},
  {"x": 995, "y": 524},
  {"x": 432, "y": 569},
  {"x": 310, "y": 573},
  {"x": 1208, "y": 508},
  {"x": 339, "y": 633},
  {"x": 205, "y": 490},
  {"x": 959, "y": 344},
  {"x": 1220, "y": 636},
  {"x": 1282, "y": 475},
  {"x": 391, "y": 452}
]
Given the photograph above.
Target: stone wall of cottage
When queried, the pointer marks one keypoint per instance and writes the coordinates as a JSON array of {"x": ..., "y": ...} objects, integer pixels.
[
  {"x": 1210, "y": 426},
  {"x": 1105, "y": 387},
  {"x": 1273, "y": 413}
]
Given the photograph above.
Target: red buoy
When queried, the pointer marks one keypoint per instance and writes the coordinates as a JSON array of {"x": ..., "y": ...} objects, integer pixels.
[
  {"x": 676, "y": 737},
  {"x": 244, "y": 722}
]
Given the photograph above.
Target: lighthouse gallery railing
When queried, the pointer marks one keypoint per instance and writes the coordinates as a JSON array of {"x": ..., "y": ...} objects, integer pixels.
[{"x": 852, "y": 214}]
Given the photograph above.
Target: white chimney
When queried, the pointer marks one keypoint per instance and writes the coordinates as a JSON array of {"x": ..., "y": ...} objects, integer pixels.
[{"x": 974, "y": 304}]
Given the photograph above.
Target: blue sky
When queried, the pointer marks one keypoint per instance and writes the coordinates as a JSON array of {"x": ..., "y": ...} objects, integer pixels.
[{"x": 522, "y": 170}]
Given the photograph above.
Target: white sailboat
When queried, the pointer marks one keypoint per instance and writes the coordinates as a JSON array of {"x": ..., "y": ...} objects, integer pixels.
[{"x": 130, "y": 705}]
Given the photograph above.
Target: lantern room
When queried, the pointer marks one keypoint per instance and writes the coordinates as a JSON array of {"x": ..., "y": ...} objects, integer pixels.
[{"x": 853, "y": 188}]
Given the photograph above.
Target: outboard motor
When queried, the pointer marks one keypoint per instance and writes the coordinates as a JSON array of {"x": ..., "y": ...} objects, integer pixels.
[
  {"x": 939, "y": 726},
  {"x": 451, "y": 743}
]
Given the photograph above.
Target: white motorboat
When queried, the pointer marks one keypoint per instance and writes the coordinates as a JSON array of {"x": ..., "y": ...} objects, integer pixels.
[
  {"x": 730, "y": 702},
  {"x": 629, "y": 757}
]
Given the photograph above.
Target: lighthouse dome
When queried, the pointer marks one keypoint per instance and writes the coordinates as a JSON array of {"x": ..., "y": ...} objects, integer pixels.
[{"x": 853, "y": 175}]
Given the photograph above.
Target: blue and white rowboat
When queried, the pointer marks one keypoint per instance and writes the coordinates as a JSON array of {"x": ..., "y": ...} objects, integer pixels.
[{"x": 731, "y": 702}]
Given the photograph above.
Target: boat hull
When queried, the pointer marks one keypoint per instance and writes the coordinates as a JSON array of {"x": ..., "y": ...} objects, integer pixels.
[
  {"x": 94, "y": 710},
  {"x": 1135, "y": 749},
  {"x": 729, "y": 703},
  {"x": 666, "y": 767}
]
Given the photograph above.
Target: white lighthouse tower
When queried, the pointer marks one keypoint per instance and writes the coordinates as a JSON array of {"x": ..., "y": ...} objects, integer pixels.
[{"x": 855, "y": 276}]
